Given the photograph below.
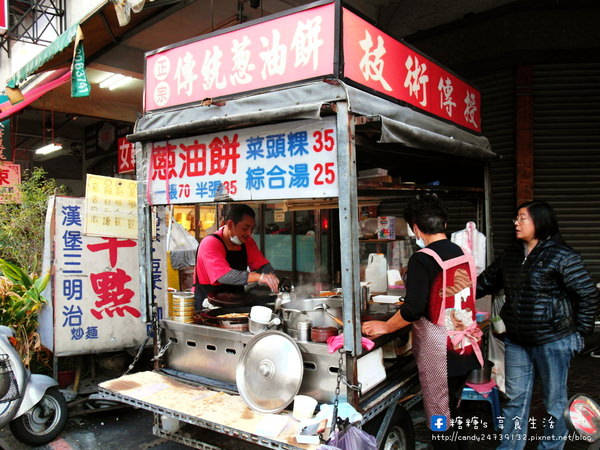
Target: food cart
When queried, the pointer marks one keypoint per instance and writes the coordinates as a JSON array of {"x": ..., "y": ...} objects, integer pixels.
[{"x": 305, "y": 103}]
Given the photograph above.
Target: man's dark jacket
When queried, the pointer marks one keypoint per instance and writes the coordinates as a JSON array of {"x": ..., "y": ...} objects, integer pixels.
[{"x": 549, "y": 294}]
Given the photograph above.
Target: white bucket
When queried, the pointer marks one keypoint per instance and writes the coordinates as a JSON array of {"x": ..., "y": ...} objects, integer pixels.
[
  {"x": 376, "y": 272},
  {"x": 304, "y": 407}
]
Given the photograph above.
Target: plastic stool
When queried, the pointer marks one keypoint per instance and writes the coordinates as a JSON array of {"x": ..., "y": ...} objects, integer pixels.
[{"x": 492, "y": 396}]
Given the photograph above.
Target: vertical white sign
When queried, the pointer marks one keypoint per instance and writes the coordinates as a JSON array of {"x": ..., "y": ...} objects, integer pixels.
[{"x": 96, "y": 287}]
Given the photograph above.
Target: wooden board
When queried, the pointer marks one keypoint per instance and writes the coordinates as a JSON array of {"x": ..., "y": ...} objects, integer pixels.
[{"x": 196, "y": 401}]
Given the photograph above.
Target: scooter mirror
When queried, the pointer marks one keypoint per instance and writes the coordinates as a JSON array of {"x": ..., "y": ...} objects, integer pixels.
[{"x": 582, "y": 415}]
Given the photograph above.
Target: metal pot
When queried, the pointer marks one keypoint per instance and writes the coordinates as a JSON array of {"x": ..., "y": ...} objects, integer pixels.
[{"x": 316, "y": 310}]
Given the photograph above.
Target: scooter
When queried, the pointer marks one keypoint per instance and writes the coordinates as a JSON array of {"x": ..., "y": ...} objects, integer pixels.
[{"x": 30, "y": 404}]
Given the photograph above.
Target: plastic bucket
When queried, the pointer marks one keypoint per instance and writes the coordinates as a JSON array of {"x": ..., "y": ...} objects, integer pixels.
[
  {"x": 304, "y": 407},
  {"x": 376, "y": 272}
]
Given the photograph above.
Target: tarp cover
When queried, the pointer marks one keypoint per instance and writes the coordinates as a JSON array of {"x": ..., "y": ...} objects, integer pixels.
[{"x": 399, "y": 124}]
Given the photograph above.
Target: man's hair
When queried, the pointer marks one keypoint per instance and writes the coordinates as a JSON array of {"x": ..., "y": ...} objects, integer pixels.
[
  {"x": 238, "y": 211},
  {"x": 543, "y": 218},
  {"x": 428, "y": 212}
]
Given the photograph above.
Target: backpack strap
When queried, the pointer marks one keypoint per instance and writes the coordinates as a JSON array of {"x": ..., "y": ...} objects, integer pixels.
[{"x": 465, "y": 258}]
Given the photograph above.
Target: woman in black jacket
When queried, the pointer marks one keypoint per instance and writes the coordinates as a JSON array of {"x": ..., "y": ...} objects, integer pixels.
[{"x": 551, "y": 301}]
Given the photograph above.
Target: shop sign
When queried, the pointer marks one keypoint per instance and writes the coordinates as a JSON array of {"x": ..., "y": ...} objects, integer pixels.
[
  {"x": 292, "y": 160},
  {"x": 279, "y": 51},
  {"x": 125, "y": 155},
  {"x": 379, "y": 62},
  {"x": 10, "y": 180},
  {"x": 300, "y": 46},
  {"x": 111, "y": 207},
  {"x": 5, "y": 146},
  {"x": 96, "y": 290},
  {"x": 3, "y": 16}
]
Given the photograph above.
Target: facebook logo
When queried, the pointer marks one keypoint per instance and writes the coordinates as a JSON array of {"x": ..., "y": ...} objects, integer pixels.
[{"x": 438, "y": 423}]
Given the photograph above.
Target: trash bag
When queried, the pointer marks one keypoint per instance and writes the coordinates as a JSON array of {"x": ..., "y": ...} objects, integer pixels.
[{"x": 352, "y": 439}]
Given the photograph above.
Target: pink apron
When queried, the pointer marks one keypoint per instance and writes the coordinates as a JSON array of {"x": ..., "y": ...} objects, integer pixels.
[{"x": 430, "y": 343}]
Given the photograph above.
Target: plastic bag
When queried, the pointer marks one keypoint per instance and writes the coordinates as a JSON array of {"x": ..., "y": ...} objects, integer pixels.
[
  {"x": 496, "y": 355},
  {"x": 498, "y": 327},
  {"x": 496, "y": 344},
  {"x": 352, "y": 439}
]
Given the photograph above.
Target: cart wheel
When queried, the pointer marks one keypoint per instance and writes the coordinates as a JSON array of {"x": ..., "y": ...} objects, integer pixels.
[{"x": 399, "y": 435}]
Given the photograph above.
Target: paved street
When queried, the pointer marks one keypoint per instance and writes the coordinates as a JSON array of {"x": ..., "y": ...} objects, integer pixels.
[{"x": 127, "y": 428}]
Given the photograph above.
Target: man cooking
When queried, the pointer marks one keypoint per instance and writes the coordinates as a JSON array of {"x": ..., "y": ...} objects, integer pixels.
[{"x": 229, "y": 259}]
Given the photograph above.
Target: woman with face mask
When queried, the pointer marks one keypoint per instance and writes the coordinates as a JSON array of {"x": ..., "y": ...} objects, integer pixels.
[
  {"x": 225, "y": 256},
  {"x": 437, "y": 313}
]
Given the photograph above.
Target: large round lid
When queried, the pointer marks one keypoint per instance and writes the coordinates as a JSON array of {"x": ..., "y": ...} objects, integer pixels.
[{"x": 269, "y": 372}]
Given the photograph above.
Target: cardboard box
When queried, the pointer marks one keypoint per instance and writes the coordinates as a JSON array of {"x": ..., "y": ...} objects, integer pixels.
[{"x": 386, "y": 227}]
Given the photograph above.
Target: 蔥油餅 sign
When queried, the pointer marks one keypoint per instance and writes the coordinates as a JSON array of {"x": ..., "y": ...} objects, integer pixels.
[
  {"x": 291, "y": 160},
  {"x": 300, "y": 46}
]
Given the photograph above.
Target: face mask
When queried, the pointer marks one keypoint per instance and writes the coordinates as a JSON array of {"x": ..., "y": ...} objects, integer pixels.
[
  {"x": 235, "y": 240},
  {"x": 420, "y": 242}
]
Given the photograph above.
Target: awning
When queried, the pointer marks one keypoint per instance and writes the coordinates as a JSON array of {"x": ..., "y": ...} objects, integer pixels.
[
  {"x": 60, "y": 78},
  {"x": 396, "y": 123},
  {"x": 61, "y": 43},
  {"x": 100, "y": 29}
]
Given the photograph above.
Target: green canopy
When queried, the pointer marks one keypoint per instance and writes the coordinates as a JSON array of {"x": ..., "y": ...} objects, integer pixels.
[{"x": 58, "y": 45}]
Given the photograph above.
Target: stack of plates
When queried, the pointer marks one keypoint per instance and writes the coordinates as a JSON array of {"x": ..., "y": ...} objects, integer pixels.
[{"x": 183, "y": 307}]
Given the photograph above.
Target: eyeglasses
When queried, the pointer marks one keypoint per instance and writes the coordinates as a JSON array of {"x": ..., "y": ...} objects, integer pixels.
[{"x": 520, "y": 219}]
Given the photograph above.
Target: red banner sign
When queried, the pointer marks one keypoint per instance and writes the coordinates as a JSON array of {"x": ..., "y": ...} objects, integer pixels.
[
  {"x": 283, "y": 50},
  {"x": 126, "y": 156},
  {"x": 300, "y": 46},
  {"x": 379, "y": 62}
]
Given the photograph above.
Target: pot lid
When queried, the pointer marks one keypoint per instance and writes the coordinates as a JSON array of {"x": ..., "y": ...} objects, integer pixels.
[{"x": 269, "y": 372}]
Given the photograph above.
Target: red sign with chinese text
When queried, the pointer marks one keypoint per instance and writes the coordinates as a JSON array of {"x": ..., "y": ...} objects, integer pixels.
[
  {"x": 126, "y": 156},
  {"x": 290, "y": 48},
  {"x": 300, "y": 46},
  {"x": 378, "y": 61},
  {"x": 10, "y": 180}
]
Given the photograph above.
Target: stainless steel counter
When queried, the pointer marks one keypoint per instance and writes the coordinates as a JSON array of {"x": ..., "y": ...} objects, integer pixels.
[{"x": 214, "y": 353}]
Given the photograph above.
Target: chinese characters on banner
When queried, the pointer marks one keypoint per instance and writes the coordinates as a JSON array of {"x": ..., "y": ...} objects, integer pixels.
[
  {"x": 378, "y": 61},
  {"x": 292, "y": 160},
  {"x": 111, "y": 207},
  {"x": 125, "y": 155},
  {"x": 96, "y": 293},
  {"x": 290, "y": 48},
  {"x": 300, "y": 46},
  {"x": 10, "y": 179}
]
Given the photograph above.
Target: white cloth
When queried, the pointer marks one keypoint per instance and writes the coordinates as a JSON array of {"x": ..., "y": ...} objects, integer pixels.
[{"x": 472, "y": 242}]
